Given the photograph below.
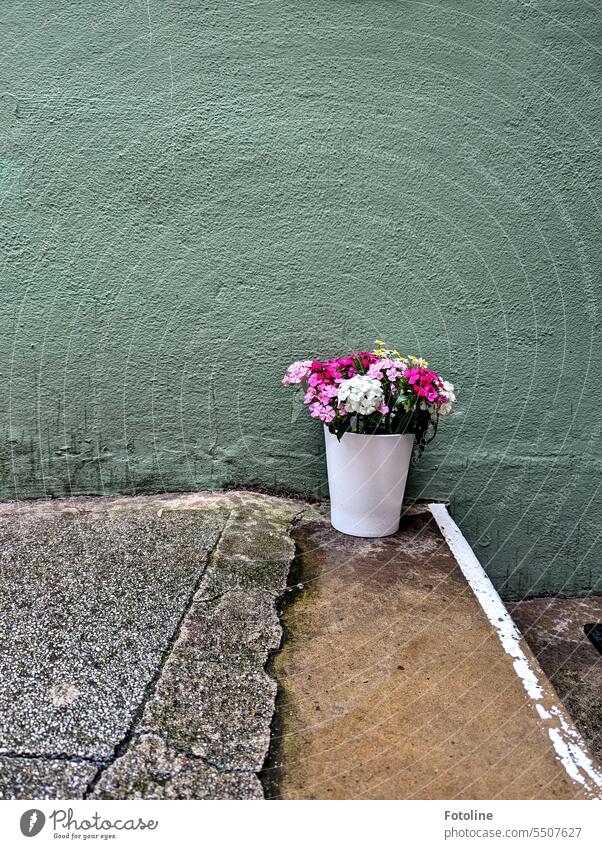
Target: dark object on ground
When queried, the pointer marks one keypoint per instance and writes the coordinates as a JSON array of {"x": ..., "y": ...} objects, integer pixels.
[{"x": 594, "y": 635}]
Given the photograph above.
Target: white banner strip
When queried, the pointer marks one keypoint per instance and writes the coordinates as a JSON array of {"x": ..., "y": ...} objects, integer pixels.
[{"x": 255, "y": 825}]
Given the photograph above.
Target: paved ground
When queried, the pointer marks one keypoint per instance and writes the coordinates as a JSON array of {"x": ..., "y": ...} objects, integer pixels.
[
  {"x": 553, "y": 627},
  {"x": 139, "y": 657},
  {"x": 395, "y": 684},
  {"x": 135, "y": 633}
]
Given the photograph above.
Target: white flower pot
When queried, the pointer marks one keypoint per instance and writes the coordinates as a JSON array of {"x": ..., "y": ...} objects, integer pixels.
[{"x": 367, "y": 480}]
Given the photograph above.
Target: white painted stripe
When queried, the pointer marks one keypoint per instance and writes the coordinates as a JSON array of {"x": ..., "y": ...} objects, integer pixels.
[{"x": 568, "y": 744}]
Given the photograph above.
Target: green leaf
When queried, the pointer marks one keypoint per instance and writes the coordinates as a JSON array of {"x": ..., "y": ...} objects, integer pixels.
[{"x": 342, "y": 429}]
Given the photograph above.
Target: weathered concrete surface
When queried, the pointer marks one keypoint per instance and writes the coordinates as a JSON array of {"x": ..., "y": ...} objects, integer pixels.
[
  {"x": 136, "y": 633},
  {"x": 134, "y": 638},
  {"x": 153, "y": 769},
  {"x": 89, "y": 604},
  {"x": 553, "y": 628},
  {"x": 395, "y": 684},
  {"x": 40, "y": 778},
  {"x": 214, "y": 702}
]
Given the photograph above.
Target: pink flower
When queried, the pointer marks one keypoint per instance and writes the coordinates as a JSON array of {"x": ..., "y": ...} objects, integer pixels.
[
  {"x": 383, "y": 409},
  {"x": 326, "y": 392},
  {"x": 296, "y": 372},
  {"x": 321, "y": 411},
  {"x": 309, "y": 395},
  {"x": 395, "y": 370},
  {"x": 376, "y": 371}
]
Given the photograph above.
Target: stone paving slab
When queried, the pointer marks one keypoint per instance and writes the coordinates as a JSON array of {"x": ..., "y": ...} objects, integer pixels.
[
  {"x": 89, "y": 603},
  {"x": 151, "y": 768},
  {"x": 214, "y": 697},
  {"x": 135, "y": 635},
  {"x": 35, "y": 778}
]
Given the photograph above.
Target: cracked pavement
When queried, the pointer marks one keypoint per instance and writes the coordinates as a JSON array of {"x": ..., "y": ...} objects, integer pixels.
[
  {"x": 140, "y": 645},
  {"x": 135, "y": 634}
]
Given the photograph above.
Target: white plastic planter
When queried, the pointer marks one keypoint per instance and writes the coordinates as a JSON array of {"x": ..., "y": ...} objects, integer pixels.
[{"x": 367, "y": 480}]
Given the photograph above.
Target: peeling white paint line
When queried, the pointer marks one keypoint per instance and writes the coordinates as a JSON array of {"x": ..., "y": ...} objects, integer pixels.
[
  {"x": 565, "y": 754},
  {"x": 568, "y": 743},
  {"x": 577, "y": 753}
]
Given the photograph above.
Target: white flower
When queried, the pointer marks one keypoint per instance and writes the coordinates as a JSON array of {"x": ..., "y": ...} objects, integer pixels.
[
  {"x": 361, "y": 394},
  {"x": 449, "y": 390},
  {"x": 448, "y": 393}
]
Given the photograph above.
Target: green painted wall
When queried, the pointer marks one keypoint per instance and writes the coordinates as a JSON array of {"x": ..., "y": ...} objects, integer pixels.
[{"x": 195, "y": 193}]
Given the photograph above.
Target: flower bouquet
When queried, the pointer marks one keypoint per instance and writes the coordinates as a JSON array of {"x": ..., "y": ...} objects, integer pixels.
[{"x": 373, "y": 406}]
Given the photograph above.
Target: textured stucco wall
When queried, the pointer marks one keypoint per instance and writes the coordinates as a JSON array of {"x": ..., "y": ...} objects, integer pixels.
[{"x": 193, "y": 194}]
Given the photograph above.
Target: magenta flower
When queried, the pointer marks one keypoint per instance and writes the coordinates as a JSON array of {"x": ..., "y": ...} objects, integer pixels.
[{"x": 412, "y": 375}]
